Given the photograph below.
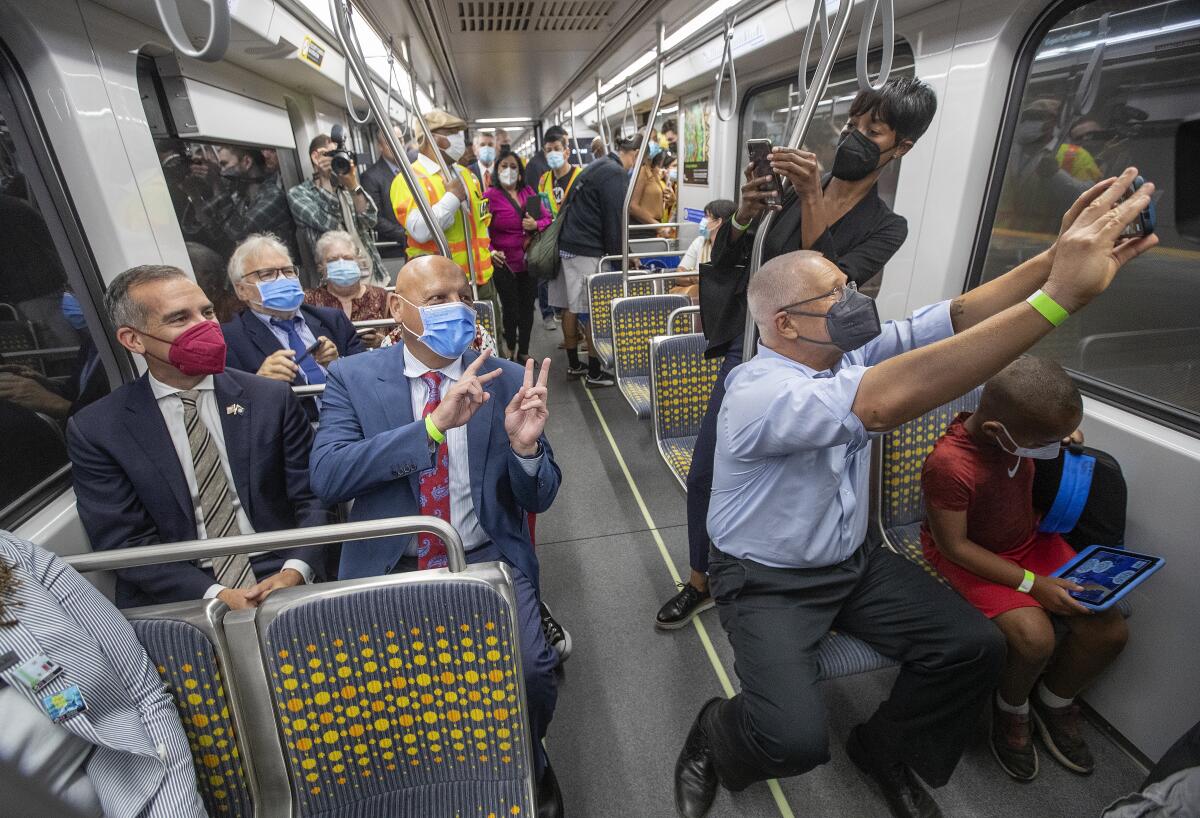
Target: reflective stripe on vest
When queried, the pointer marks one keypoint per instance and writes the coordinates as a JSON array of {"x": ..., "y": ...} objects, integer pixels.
[{"x": 435, "y": 189}]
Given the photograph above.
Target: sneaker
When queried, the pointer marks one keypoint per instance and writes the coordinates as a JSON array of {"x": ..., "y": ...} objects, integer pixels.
[
  {"x": 576, "y": 370},
  {"x": 549, "y": 324},
  {"x": 1061, "y": 729},
  {"x": 680, "y": 608},
  {"x": 603, "y": 379},
  {"x": 1011, "y": 740},
  {"x": 556, "y": 634}
]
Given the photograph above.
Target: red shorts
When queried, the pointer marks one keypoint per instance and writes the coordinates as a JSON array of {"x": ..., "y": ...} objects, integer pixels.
[{"x": 1043, "y": 555}]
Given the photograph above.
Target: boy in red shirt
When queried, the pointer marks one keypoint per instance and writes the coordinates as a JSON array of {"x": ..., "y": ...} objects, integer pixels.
[{"x": 981, "y": 533}]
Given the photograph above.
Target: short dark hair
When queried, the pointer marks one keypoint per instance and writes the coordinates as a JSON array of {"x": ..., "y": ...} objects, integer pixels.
[
  {"x": 720, "y": 208},
  {"x": 906, "y": 104},
  {"x": 549, "y": 137},
  {"x": 241, "y": 152},
  {"x": 520, "y": 169},
  {"x": 554, "y": 132},
  {"x": 670, "y": 125},
  {"x": 1031, "y": 394},
  {"x": 319, "y": 141},
  {"x": 125, "y": 310}
]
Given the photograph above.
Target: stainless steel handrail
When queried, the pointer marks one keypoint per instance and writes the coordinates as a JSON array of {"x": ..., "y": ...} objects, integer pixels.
[
  {"x": 358, "y": 66},
  {"x": 371, "y": 323},
  {"x": 573, "y": 147},
  {"x": 727, "y": 61},
  {"x": 215, "y": 45},
  {"x": 643, "y": 148},
  {"x": 693, "y": 310},
  {"x": 271, "y": 541},
  {"x": 600, "y": 117},
  {"x": 812, "y": 97},
  {"x": 889, "y": 45},
  {"x": 600, "y": 263},
  {"x": 308, "y": 390},
  {"x": 656, "y": 225}
]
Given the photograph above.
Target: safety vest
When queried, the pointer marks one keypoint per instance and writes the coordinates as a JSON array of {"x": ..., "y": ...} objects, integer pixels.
[
  {"x": 435, "y": 188},
  {"x": 546, "y": 188}
]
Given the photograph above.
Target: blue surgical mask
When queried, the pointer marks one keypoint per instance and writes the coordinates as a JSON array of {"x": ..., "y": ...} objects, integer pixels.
[
  {"x": 655, "y": 149},
  {"x": 449, "y": 328},
  {"x": 673, "y": 174},
  {"x": 555, "y": 160},
  {"x": 704, "y": 229},
  {"x": 1047, "y": 452},
  {"x": 73, "y": 312},
  {"x": 343, "y": 272},
  {"x": 281, "y": 295},
  {"x": 487, "y": 154}
]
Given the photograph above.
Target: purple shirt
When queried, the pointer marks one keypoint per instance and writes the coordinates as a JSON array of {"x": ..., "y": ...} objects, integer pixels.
[{"x": 505, "y": 231}]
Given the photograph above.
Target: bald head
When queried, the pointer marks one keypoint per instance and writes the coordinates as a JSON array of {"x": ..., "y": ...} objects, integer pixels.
[
  {"x": 426, "y": 276},
  {"x": 786, "y": 279}
]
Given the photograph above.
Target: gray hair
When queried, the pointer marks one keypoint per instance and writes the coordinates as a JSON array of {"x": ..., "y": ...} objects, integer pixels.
[
  {"x": 328, "y": 239},
  {"x": 125, "y": 310},
  {"x": 251, "y": 246}
]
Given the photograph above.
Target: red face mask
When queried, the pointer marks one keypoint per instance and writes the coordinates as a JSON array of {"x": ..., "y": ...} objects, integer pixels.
[{"x": 198, "y": 350}]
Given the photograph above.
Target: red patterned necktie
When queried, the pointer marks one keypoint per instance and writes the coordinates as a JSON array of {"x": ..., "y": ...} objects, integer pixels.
[{"x": 435, "y": 486}]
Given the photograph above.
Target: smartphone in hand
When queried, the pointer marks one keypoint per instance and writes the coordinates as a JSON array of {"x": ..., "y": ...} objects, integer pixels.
[
  {"x": 1146, "y": 221},
  {"x": 759, "y": 151}
]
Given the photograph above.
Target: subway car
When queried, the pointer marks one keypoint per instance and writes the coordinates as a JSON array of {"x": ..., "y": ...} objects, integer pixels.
[{"x": 122, "y": 125}]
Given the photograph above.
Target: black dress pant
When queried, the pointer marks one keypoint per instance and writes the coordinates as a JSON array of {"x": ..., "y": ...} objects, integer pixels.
[
  {"x": 951, "y": 654},
  {"x": 700, "y": 475},
  {"x": 518, "y": 294}
]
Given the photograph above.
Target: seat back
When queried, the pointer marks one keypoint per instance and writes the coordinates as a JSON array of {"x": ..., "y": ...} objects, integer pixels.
[
  {"x": 602, "y": 289},
  {"x": 187, "y": 646},
  {"x": 635, "y": 321},
  {"x": 401, "y": 695},
  {"x": 681, "y": 380},
  {"x": 902, "y": 456},
  {"x": 485, "y": 311}
]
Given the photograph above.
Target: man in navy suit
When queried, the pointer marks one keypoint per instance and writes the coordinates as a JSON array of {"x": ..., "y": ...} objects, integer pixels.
[
  {"x": 189, "y": 451},
  {"x": 427, "y": 427},
  {"x": 273, "y": 337}
]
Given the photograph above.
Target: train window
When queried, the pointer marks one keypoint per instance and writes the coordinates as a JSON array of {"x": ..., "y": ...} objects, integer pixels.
[
  {"x": 49, "y": 359},
  {"x": 766, "y": 110},
  {"x": 1102, "y": 86}
]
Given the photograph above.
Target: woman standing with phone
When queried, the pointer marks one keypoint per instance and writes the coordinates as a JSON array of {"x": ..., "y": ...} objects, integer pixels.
[{"x": 838, "y": 214}]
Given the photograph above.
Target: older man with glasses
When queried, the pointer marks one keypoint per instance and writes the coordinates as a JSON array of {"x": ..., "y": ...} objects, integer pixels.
[{"x": 278, "y": 336}]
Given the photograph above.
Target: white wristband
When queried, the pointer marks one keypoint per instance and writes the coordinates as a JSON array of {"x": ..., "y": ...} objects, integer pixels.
[{"x": 1027, "y": 583}]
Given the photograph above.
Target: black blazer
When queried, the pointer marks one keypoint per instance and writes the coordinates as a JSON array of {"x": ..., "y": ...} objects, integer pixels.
[
  {"x": 130, "y": 488},
  {"x": 860, "y": 243},
  {"x": 592, "y": 225},
  {"x": 377, "y": 182}
]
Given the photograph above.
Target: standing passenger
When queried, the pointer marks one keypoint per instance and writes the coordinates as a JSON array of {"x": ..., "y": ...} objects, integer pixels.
[
  {"x": 377, "y": 181},
  {"x": 537, "y": 163},
  {"x": 553, "y": 186},
  {"x": 790, "y": 560},
  {"x": 839, "y": 215}
]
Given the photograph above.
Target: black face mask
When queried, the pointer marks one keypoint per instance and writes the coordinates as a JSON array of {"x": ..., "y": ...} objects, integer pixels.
[
  {"x": 851, "y": 322},
  {"x": 856, "y": 157}
]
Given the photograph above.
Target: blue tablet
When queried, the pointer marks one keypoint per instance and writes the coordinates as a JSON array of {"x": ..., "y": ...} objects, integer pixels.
[{"x": 1107, "y": 574}]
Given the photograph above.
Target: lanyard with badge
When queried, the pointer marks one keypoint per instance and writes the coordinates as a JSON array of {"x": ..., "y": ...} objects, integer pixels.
[{"x": 37, "y": 673}]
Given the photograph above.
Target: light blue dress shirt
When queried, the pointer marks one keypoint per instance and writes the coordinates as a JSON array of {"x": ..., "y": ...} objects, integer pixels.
[{"x": 790, "y": 475}]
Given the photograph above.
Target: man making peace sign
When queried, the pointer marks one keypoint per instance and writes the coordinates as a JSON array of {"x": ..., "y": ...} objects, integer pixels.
[{"x": 428, "y": 427}]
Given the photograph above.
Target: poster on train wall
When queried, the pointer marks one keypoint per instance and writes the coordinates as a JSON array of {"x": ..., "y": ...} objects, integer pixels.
[{"x": 696, "y": 116}]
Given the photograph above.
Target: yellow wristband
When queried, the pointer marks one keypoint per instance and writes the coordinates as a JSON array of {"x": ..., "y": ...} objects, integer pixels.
[
  {"x": 435, "y": 434},
  {"x": 741, "y": 228},
  {"x": 1027, "y": 583},
  {"x": 1050, "y": 309}
]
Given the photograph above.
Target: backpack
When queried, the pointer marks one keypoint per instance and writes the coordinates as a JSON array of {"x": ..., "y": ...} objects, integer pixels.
[
  {"x": 1082, "y": 495},
  {"x": 541, "y": 257}
]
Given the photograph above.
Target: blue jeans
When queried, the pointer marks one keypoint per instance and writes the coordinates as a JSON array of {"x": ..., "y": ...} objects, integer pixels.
[{"x": 543, "y": 299}]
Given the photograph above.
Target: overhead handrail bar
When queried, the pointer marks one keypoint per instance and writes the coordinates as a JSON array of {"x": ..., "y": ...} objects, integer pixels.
[
  {"x": 693, "y": 310},
  {"x": 353, "y": 57},
  {"x": 643, "y": 148},
  {"x": 808, "y": 110},
  {"x": 159, "y": 553},
  {"x": 215, "y": 45},
  {"x": 727, "y": 61},
  {"x": 888, "y": 9}
]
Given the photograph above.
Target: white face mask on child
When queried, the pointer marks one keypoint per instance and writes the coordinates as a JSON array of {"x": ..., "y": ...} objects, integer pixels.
[{"x": 1047, "y": 452}]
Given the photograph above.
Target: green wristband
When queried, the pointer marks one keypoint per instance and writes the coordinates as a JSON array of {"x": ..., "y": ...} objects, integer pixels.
[
  {"x": 1050, "y": 309},
  {"x": 741, "y": 228},
  {"x": 435, "y": 434},
  {"x": 1027, "y": 583}
]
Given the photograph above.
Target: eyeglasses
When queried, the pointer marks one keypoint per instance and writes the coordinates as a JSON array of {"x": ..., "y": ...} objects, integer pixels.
[
  {"x": 841, "y": 293},
  {"x": 268, "y": 274}
]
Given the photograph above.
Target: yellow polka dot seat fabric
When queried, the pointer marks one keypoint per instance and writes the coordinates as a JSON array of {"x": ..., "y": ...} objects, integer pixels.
[
  {"x": 602, "y": 289},
  {"x": 393, "y": 702},
  {"x": 681, "y": 381},
  {"x": 636, "y": 321},
  {"x": 188, "y": 665},
  {"x": 485, "y": 312},
  {"x": 902, "y": 505}
]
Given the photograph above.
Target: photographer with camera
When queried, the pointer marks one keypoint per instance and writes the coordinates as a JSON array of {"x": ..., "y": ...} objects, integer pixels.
[{"x": 334, "y": 200}]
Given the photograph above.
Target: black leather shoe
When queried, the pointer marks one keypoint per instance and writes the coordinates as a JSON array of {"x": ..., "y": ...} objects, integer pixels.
[
  {"x": 679, "y": 609},
  {"x": 905, "y": 795},
  {"x": 695, "y": 775},
  {"x": 549, "y": 797}
]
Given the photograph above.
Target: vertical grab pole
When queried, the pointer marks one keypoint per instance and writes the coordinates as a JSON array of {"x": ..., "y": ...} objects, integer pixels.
[
  {"x": 812, "y": 96},
  {"x": 358, "y": 67},
  {"x": 603, "y": 126},
  {"x": 660, "y": 63},
  {"x": 574, "y": 151}
]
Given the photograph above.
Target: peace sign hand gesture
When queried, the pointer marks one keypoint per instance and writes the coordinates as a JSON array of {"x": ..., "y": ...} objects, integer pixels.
[
  {"x": 525, "y": 416},
  {"x": 462, "y": 401}
]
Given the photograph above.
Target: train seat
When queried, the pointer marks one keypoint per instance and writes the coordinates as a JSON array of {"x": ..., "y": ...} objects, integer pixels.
[
  {"x": 485, "y": 311},
  {"x": 635, "y": 322},
  {"x": 681, "y": 379},
  {"x": 602, "y": 289},
  {"x": 187, "y": 645},
  {"x": 400, "y": 695}
]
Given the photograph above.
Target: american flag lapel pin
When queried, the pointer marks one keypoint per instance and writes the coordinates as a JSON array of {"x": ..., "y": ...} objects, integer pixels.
[{"x": 235, "y": 409}]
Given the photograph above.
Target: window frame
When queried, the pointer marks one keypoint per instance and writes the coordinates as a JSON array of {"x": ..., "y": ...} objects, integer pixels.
[
  {"x": 1141, "y": 405},
  {"x": 48, "y": 186}
]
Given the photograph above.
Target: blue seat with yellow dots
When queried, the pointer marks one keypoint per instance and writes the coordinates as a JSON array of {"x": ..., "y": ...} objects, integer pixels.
[
  {"x": 602, "y": 289},
  {"x": 485, "y": 312},
  {"x": 635, "y": 322},
  {"x": 401, "y": 695},
  {"x": 681, "y": 380}
]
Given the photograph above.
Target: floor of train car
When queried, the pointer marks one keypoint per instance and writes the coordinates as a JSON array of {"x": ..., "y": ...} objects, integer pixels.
[{"x": 628, "y": 693}]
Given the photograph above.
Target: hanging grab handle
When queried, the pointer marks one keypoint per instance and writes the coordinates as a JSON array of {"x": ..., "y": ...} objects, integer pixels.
[
  {"x": 819, "y": 23},
  {"x": 218, "y": 30},
  {"x": 888, "y": 10},
  {"x": 629, "y": 116},
  {"x": 346, "y": 82},
  {"x": 727, "y": 61}
]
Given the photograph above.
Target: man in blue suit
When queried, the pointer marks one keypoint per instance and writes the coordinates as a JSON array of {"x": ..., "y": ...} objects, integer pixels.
[
  {"x": 427, "y": 427},
  {"x": 189, "y": 451},
  {"x": 274, "y": 336}
]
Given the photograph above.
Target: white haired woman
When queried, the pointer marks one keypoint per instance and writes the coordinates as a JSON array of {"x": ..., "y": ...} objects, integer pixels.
[{"x": 344, "y": 283}]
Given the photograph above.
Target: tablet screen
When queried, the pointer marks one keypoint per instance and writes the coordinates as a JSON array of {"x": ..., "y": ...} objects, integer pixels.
[{"x": 1105, "y": 572}]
